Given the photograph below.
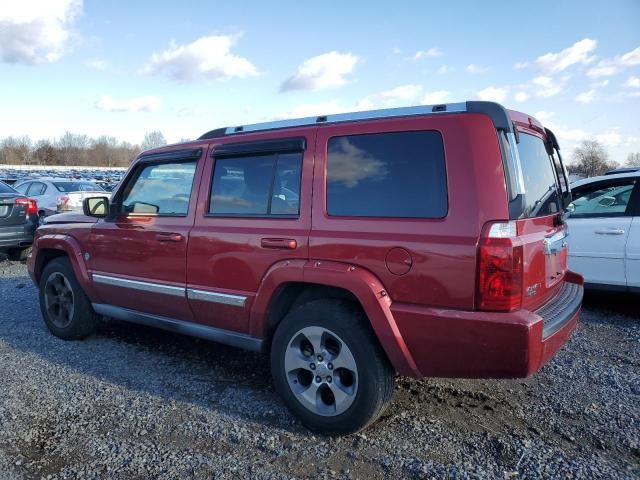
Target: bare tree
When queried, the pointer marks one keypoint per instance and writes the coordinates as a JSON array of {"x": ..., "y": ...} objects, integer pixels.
[
  {"x": 633, "y": 160},
  {"x": 153, "y": 139},
  {"x": 591, "y": 159}
]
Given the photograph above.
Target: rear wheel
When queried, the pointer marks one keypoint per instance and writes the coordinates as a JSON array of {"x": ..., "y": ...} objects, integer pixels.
[
  {"x": 66, "y": 310},
  {"x": 329, "y": 367},
  {"x": 19, "y": 254}
]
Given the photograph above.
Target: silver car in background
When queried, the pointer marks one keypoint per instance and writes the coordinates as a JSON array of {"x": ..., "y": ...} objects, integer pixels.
[{"x": 57, "y": 195}]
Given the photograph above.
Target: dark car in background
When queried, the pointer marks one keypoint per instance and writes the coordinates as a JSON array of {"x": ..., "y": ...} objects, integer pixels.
[{"x": 18, "y": 222}]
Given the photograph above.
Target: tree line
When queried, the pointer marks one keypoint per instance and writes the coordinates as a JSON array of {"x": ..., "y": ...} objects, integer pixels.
[
  {"x": 73, "y": 149},
  {"x": 591, "y": 159}
]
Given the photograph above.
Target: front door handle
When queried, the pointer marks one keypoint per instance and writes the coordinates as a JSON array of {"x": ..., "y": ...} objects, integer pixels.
[
  {"x": 169, "y": 237},
  {"x": 284, "y": 243},
  {"x": 610, "y": 231}
]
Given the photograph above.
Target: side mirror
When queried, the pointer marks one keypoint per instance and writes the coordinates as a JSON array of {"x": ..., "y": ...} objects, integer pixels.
[{"x": 96, "y": 207}]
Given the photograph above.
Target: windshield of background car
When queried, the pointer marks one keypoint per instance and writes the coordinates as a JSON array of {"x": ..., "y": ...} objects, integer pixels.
[
  {"x": 77, "y": 187},
  {"x": 540, "y": 184}
]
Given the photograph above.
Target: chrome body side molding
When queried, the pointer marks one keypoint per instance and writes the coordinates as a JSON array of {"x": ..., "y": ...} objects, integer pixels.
[
  {"x": 223, "y": 298},
  {"x": 191, "y": 329},
  {"x": 139, "y": 285}
]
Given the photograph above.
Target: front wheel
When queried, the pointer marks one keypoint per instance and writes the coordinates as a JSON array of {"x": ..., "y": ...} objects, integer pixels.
[
  {"x": 329, "y": 367},
  {"x": 66, "y": 310}
]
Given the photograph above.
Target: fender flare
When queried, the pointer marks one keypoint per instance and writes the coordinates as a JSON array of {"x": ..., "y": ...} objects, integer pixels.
[
  {"x": 71, "y": 247},
  {"x": 364, "y": 285}
]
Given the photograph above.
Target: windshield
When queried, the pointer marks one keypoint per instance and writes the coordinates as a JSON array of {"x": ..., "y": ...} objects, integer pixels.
[
  {"x": 541, "y": 188},
  {"x": 77, "y": 187}
]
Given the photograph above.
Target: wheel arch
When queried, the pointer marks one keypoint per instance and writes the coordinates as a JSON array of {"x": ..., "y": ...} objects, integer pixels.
[{"x": 287, "y": 285}]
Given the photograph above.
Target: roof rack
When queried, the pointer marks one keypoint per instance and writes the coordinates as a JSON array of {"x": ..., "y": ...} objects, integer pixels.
[{"x": 496, "y": 111}]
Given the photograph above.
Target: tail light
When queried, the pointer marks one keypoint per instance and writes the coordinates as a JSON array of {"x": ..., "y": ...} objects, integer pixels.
[
  {"x": 30, "y": 204},
  {"x": 62, "y": 202},
  {"x": 499, "y": 286}
]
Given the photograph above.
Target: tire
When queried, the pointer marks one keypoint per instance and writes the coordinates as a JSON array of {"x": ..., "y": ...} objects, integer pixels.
[
  {"x": 19, "y": 254},
  {"x": 65, "y": 308},
  {"x": 360, "y": 388}
]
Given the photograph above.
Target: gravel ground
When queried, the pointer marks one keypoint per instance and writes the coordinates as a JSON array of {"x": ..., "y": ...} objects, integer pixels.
[{"x": 133, "y": 402}]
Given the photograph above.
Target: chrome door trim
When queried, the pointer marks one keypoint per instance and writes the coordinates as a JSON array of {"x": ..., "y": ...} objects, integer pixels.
[
  {"x": 228, "y": 337},
  {"x": 214, "y": 297},
  {"x": 139, "y": 285}
]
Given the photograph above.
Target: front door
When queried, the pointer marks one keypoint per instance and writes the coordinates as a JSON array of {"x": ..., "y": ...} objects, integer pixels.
[
  {"x": 598, "y": 230},
  {"x": 138, "y": 255}
]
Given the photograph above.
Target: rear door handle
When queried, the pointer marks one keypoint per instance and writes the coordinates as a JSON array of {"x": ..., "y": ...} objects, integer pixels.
[
  {"x": 169, "y": 237},
  {"x": 610, "y": 231},
  {"x": 284, "y": 243}
]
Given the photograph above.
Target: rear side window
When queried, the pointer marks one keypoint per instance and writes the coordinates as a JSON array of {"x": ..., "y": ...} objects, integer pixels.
[
  {"x": 541, "y": 189},
  {"x": 4, "y": 188},
  {"x": 396, "y": 174},
  {"x": 256, "y": 185},
  {"x": 77, "y": 187},
  {"x": 36, "y": 189}
]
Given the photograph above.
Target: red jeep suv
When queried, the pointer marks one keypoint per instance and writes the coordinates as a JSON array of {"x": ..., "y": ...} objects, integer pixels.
[{"x": 427, "y": 241}]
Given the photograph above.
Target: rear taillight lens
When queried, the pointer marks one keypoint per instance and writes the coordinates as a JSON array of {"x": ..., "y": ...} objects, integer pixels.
[
  {"x": 499, "y": 284},
  {"x": 30, "y": 205},
  {"x": 62, "y": 202}
]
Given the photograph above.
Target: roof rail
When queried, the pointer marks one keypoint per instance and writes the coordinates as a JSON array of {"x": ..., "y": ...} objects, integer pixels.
[{"x": 498, "y": 115}]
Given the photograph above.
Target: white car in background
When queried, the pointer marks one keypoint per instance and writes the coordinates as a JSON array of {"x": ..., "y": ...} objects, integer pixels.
[
  {"x": 57, "y": 195},
  {"x": 604, "y": 231}
]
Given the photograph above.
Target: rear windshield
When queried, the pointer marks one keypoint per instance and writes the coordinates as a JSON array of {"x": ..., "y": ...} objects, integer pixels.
[
  {"x": 77, "y": 187},
  {"x": 4, "y": 188},
  {"x": 541, "y": 197}
]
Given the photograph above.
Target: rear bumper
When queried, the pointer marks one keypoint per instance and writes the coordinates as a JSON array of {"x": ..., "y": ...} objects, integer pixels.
[
  {"x": 17, "y": 235},
  {"x": 471, "y": 344}
]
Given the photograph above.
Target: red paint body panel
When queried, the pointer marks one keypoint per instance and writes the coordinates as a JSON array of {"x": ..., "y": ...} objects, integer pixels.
[{"x": 414, "y": 278}]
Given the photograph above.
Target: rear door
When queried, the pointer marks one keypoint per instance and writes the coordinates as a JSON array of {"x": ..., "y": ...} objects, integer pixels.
[
  {"x": 539, "y": 228},
  {"x": 254, "y": 213},
  {"x": 601, "y": 218}
]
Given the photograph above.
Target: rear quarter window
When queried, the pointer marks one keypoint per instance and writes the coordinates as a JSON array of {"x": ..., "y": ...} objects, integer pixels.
[{"x": 395, "y": 174}]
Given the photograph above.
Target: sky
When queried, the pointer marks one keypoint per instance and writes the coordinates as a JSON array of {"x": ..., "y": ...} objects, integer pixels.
[{"x": 125, "y": 68}]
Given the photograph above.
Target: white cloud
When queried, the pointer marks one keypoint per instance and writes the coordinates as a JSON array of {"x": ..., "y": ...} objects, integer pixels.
[
  {"x": 97, "y": 64},
  {"x": 548, "y": 86},
  {"x": 494, "y": 94},
  {"x": 543, "y": 115},
  {"x": 603, "y": 83},
  {"x": 322, "y": 72},
  {"x": 207, "y": 58},
  {"x": 35, "y": 31},
  {"x": 444, "y": 69},
  {"x": 586, "y": 97},
  {"x": 612, "y": 66},
  {"x": 611, "y": 138},
  {"x": 436, "y": 97},
  {"x": 633, "y": 82},
  {"x": 431, "y": 52},
  {"x": 520, "y": 65},
  {"x": 402, "y": 95},
  {"x": 522, "y": 97},
  {"x": 137, "y": 104},
  {"x": 472, "y": 68},
  {"x": 576, "y": 53}
]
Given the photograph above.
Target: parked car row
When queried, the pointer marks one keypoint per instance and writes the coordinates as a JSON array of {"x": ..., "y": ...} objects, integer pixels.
[
  {"x": 58, "y": 195},
  {"x": 107, "y": 179}
]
